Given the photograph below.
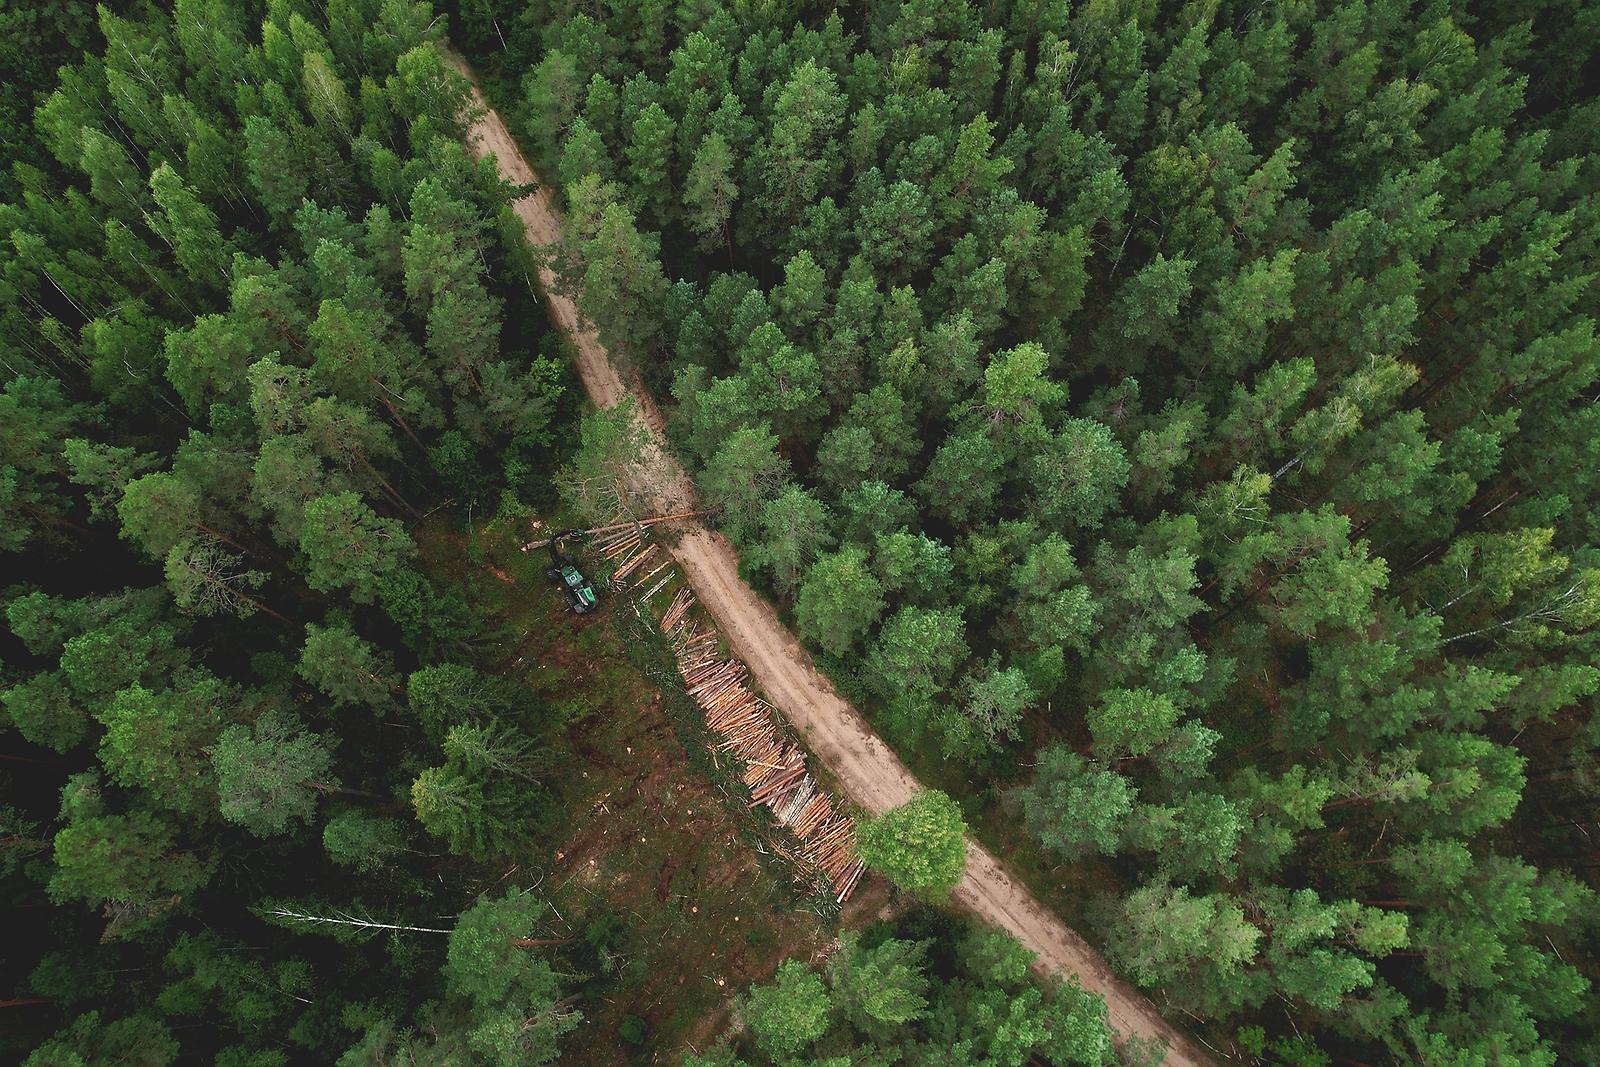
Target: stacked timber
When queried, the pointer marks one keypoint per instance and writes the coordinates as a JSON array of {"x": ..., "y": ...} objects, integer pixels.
[
  {"x": 635, "y": 561},
  {"x": 774, "y": 767},
  {"x": 676, "y": 610},
  {"x": 620, "y": 547},
  {"x": 625, "y": 537}
]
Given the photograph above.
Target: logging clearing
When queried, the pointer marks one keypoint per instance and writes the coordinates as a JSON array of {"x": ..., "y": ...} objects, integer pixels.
[
  {"x": 751, "y": 732},
  {"x": 774, "y": 765}
]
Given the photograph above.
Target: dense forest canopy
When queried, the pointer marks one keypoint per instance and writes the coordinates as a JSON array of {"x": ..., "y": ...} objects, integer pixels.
[
  {"x": 280, "y": 787},
  {"x": 920, "y": 990},
  {"x": 1181, "y": 415},
  {"x": 1176, "y": 425},
  {"x": 259, "y": 313}
]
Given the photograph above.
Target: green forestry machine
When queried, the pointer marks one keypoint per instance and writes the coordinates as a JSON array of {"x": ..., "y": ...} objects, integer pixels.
[{"x": 563, "y": 570}]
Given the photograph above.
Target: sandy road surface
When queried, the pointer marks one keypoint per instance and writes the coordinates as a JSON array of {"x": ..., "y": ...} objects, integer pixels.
[{"x": 873, "y": 775}]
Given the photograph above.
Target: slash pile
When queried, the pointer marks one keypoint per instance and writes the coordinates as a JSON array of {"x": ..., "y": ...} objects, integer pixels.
[
  {"x": 630, "y": 554},
  {"x": 774, "y": 766}
]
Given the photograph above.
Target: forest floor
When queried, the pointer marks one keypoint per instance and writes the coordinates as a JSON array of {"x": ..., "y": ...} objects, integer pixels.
[
  {"x": 650, "y": 861},
  {"x": 870, "y": 773}
]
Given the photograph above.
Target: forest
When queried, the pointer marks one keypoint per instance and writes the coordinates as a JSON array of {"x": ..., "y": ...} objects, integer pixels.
[
  {"x": 1174, "y": 425},
  {"x": 258, "y": 316},
  {"x": 290, "y": 728}
]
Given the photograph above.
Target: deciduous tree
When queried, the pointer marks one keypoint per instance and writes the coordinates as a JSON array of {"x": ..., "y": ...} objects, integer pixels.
[{"x": 921, "y": 846}]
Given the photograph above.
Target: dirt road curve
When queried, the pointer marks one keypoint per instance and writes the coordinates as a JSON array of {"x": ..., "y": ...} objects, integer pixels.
[{"x": 866, "y": 768}]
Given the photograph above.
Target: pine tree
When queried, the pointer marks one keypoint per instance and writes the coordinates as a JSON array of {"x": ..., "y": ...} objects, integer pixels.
[
  {"x": 711, "y": 191},
  {"x": 160, "y": 510},
  {"x": 789, "y": 1014},
  {"x": 991, "y": 711},
  {"x": 1074, "y": 807},
  {"x": 649, "y": 152},
  {"x": 839, "y": 600},
  {"x": 799, "y": 158},
  {"x": 191, "y": 228},
  {"x": 623, "y": 285},
  {"x": 362, "y": 842},
  {"x": 476, "y": 814},
  {"x": 881, "y": 988},
  {"x": 1194, "y": 944},
  {"x": 155, "y": 741},
  {"x": 127, "y": 865},
  {"x": 346, "y": 668},
  {"x": 44, "y": 712},
  {"x": 785, "y": 382},
  {"x": 268, "y": 775},
  {"x": 915, "y": 653},
  {"x": 206, "y": 579},
  {"x": 551, "y": 92},
  {"x": 347, "y": 546},
  {"x": 743, "y": 478},
  {"x": 517, "y": 1012},
  {"x": 794, "y": 530}
]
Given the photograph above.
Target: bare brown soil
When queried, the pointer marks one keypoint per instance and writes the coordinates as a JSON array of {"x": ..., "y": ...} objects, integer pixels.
[
  {"x": 865, "y": 767},
  {"x": 649, "y": 850}
]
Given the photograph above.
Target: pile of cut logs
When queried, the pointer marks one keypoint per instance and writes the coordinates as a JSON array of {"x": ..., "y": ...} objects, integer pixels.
[
  {"x": 630, "y": 554},
  {"x": 774, "y": 767}
]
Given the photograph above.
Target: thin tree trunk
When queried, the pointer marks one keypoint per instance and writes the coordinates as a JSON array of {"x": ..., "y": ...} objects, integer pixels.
[
  {"x": 51, "y": 519},
  {"x": 394, "y": 413},
  {"x": 327, "y": 787},
  {"x": 229, "y": 591},
  {"x": 393, "y": 493},
  {"x": 365, "y": 924},
  {"x": 18, "y": 841},
  {"x": 269, "y": 611},
  {"x": 220, "y": 536}
]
